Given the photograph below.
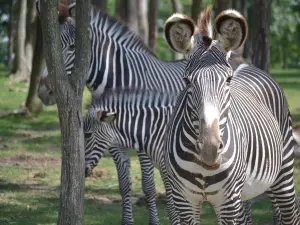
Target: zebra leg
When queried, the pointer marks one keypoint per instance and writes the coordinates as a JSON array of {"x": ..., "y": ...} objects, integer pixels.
[
  {"x": 283, "y": 197},
  {"x": 172, "y": 213},
  {"x": 149, "y": 186},
  {"x": 232, "y": 212},
  {"x": 121, "y": 157}
]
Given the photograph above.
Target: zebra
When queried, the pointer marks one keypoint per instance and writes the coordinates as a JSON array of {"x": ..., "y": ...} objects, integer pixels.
[
  {"x": 140, "y": 68},
  {"x": 230, "y": 136},
  {"x": 128, "y": 118},
  {"x": 119, "y": 58}
]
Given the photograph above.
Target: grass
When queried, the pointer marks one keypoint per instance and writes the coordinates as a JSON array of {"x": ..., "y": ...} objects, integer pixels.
[{"x": 30, "y": 167}]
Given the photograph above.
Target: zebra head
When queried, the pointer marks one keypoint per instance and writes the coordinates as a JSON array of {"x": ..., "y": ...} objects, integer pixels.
[
  {"x": 67, "y": 36},
  {"x": 208, "y": 73},
  {"x": 95, "y": 128}
]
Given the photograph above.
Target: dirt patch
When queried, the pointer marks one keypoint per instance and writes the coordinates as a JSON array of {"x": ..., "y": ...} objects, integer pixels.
[
  {"x": 32, "y": 161},
  {"x": 98, "y": 173}
]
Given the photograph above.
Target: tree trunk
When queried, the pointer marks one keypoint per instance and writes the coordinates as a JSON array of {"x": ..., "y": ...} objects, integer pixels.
[
  {"x": 100, "y": 4},
  {"x": 117, "y": 9},
  {"x": 30, "y": 34},
  {"x": 68, "y": 91},
  {"x": 152, "y": 16},
  {"x": 11, "y": 34},
  {"x": 33, "y": 102},
  {"x": 196, "y": 9},
  {"x": 261, "y": 30},
  {"x": 177, "y": 8},
  {"x": 142, "y": 19},
  {"x": 20, "y": 69},
  {"x": 222, "y": 5},
  {"x": 128, "y": 14}
]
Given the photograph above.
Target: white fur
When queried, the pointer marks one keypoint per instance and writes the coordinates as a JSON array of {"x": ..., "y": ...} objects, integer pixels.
[
  {"x": 176, "y": 17},
  {"x": 232, "y": 13},
  {"x": 210, "y": 114}
]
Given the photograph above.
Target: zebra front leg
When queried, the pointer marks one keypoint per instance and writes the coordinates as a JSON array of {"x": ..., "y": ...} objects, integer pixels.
[
  {"x": 121, "y": 157},
  {"x": 149, "y": 186},
  {"x": 232, "y": 212},
  {"x": 172, "y": 213}
]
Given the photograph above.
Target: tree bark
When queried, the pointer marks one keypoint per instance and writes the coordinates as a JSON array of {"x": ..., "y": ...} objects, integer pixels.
[
  {"x": 128, "y": 14},
  {"x": 196, "y": 9},
  {"x": 30, "y": 34},
  {"x": 33, "y": 102},
  {"x": 100, "y": 4},
  {"x": 177, "y": 8},
  {"x": 68, "y": 91},
  {"x": 12, "y": 34},
  {"x": 221, "y": 5},
  {"x": 20, "y": 69},
  {"x": 143, "y": 29},
  {"x": 152, "y": 16},
  {"x": 261, "y": 31}
]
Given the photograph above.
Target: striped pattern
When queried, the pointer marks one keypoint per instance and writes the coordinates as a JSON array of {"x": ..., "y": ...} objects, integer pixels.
[
  {"x": 257, "y": 151},
  {"x": 140, "y": 123}
]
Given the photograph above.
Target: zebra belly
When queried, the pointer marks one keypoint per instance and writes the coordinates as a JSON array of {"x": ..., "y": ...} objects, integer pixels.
[{"x": 253, "y": 188}]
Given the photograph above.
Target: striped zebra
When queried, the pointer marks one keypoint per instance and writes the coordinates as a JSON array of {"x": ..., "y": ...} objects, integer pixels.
[
  {"x": 230, "y": 136},
  {"x": 138, "y": 69},
  {"x": 118, "y": 59}
]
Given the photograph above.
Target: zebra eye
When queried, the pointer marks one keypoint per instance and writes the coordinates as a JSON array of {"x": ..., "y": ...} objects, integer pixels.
[
  {"x": 72, "y": 47},
  {"x": 187, "y": 81},
  {"x": 228, "y": 80}
]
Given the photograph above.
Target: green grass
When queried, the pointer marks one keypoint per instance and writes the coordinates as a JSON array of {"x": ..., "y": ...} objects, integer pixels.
[{"x": 30, "y": 167}]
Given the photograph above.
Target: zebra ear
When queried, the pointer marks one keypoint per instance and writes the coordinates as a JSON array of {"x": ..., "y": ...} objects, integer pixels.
[
  {"x": 106, "y": 116},
  {"x": 231, "y": 29},
  {"x": 38, "y": 6},
  {"x": 179, "y": 30},
  {"x": 72, "y": 10}
]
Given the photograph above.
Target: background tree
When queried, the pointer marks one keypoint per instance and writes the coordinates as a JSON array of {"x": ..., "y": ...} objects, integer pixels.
[
  {"x": 100, "y": 4},
  {"x": 68, "y": 91},
  {"x": 221, "y": 5},
  {"x": 20, "y": 69},
  {"x": 152, "y": 17},
  {"x": 195, "y": 9},
  {"x": 33, "y": 103},
  {"x": 261, "y": 30},
  {"x": 128, "y": 14},
  {"x": 143, "y": 29}
]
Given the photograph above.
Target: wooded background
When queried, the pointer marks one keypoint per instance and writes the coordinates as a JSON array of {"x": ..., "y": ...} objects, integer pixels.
[{"x": 274, "y": 33}]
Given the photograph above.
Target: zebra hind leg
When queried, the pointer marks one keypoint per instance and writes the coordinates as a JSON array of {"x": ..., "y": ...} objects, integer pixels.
[
  {"x": 121, "y": 157},
  {"x": 149, "y": 186}
]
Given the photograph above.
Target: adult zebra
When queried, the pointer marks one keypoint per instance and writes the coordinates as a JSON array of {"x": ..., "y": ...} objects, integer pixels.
[
  {"x": 230, "y": 137},
  {"x": 119, "y": 59}
]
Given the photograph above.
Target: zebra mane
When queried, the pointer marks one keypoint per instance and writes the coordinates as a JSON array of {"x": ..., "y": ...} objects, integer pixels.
[
  {"x": 133, "y": 97},
  {"x": 116, "y": 29}
]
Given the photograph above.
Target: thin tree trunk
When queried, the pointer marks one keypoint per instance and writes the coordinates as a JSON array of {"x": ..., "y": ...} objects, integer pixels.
[
  {"x": 261, "y": 31},
  {"x": 177, "y": 8},
  {"x": 128, "y": 14},
  {"x": 30, "y": 34},
  {"x": 117, "y": 9},
  {"x": 33, "y": 102},
  {"x": 152, "y": 16},
  {"x": 68, "y": 91},
  {"x": 12, "y": 34},
  {"x": 221, "y": 5},
  {"x": 20, "y": 69},
  {"x": 142, "y": 19},
  {"x": 196, "y": 9},
  {"x": 100, "y": 4}
]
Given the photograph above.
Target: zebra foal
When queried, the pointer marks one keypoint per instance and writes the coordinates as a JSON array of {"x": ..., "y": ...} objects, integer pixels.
[{"x": 230, "y": 137}]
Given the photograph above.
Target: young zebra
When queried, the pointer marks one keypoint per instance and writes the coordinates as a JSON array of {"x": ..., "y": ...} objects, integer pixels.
[{"x": 230, "y": 137}]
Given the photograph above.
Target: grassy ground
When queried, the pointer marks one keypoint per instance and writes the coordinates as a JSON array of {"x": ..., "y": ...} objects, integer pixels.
[{"x": 30, "y": 167}]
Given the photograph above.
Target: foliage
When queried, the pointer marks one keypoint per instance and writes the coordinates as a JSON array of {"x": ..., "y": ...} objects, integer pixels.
[{"x": 285, "y": 32}]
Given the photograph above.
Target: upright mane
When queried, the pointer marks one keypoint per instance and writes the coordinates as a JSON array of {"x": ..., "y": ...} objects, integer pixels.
[
  {"x": 114, "y": 27},
  {"x": 204, "y": 23},
  {"x": 63, "y": 11}
]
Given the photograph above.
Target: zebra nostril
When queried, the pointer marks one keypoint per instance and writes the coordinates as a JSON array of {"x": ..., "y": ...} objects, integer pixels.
[{"x": 50, "y": 92}]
